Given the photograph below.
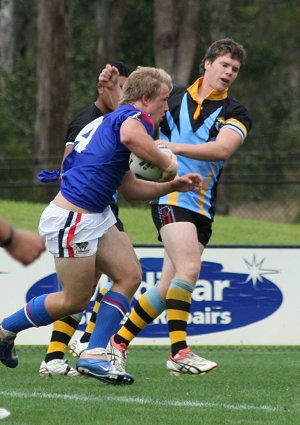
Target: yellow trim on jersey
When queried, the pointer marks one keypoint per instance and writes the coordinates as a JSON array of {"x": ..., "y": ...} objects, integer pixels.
[
  {"x": 237, "y": 123},
  {"x": 173, "y": 198},
  {"x": 213, "y": 95},
  {"x": 205, "y": 185}
]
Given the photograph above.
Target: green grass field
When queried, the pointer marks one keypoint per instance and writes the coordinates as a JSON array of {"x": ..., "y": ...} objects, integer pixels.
[
  {"x": 250, "y": 386},
  {"x": 139, "y": 226}
]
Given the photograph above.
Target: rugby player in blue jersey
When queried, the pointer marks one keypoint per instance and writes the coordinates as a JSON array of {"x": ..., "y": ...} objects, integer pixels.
[
  {"x": 54, "y": 362},
  {"x": 79, "y": 226},
  {"x": 206, "y": 126}
]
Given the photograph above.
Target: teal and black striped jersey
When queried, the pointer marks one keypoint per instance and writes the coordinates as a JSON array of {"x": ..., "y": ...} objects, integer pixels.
[{"x": 189, "y": 121}]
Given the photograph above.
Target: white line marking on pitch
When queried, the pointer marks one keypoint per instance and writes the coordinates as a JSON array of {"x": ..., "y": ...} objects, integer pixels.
[{"x": 139, "y": 400}]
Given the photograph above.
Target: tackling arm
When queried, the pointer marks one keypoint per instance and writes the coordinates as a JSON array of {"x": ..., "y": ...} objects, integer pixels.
[
  {"x": 133, "y": 189},
  {"x": 221, "y": 149}
]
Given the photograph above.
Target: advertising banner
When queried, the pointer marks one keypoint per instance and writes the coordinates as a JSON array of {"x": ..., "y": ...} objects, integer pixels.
[{"x": 244, "y": 295}]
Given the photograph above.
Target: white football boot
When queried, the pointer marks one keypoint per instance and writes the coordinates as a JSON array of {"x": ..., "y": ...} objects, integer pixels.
[
  {"x": 57, "y": 367},
  {"x": 186, "y": 362}
]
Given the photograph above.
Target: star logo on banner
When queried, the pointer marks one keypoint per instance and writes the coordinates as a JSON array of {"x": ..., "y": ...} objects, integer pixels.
[{"x": 256, "y": 270}]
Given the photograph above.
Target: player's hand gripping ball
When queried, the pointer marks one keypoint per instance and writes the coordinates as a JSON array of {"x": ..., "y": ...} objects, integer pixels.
[{"x": 146, "y": 170}]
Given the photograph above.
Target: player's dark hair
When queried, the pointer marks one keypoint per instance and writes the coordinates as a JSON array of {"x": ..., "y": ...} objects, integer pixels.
[
  {"x": 222, "y": 47},
  {"x": 124, "y": 71}
]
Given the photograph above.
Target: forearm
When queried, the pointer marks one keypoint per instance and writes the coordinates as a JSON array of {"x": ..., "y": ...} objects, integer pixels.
[
  {"x": 209, "y": 151},
  {"x": 221, "y": 149},
  {"x": 143, "y": 146},
  {"x": 133, "y": 189},
  {"x": 143, "y": 190},
  {"x": 134, "y": 136},
  {"x": 7, "y": 233},
  {"x": 114, "y": 94}
]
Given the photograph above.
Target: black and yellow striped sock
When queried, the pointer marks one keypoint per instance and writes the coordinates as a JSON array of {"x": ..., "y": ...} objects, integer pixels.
[
  {"x": 62, "y": 332},
  {"x": 91, "y": 323},
  {"x": 178, "y": 300},
  {"x": 148, "y": 307}
]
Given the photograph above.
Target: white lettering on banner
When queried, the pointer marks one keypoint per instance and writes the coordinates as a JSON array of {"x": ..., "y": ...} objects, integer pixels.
[
  {"x": 207, "y": 317},
  {"x": 151, "y": 279},
  {"x": 240, "y": 298},
  {"x": 210, "y": 291},
  {"x": 205, "y": 290}
]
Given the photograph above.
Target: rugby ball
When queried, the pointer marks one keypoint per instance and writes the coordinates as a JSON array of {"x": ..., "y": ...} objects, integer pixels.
[{"x": 145, "y": 170}]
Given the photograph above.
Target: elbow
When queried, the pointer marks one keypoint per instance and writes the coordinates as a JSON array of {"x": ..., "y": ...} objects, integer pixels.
[
  {"x": 127, "y": 197},
  {"x": 128, "y": 194},
  {"x": 223, "y": 154},
  {"x": 125, "y": 194}
]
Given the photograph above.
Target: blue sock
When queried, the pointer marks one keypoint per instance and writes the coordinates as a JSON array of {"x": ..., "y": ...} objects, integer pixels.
[
  {"x": 113, "y": 308},
  {"x": 182, "y": 284},
  {"x": 34, "y": 314},
  {"x": 155, "y": 300}
]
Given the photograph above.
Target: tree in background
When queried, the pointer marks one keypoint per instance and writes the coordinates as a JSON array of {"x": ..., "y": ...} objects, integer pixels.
[
  {"x": 175, "y": 37},
  {"x": 167, "y": 33},
  {"x": 109, "y": 19},
  {"x": 53, "y": 79},
  {"x": 7, "y": 38}
]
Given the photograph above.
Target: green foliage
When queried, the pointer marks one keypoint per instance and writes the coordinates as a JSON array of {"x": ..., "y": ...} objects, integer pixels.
[
  {"x": 84, "y": 74},
  {"x": 17, "y": 109},
  {"x": 136, "y": 44},
  {"x": 268, "y": 85},
  {"x": 17, "y": 96}
]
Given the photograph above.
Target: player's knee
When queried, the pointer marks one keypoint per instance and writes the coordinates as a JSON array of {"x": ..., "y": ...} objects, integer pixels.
[
  {"x": 133, "y": 279},
  {"x": 190, "y": 272},
  {"x": 76, "y": 304},
  {"x": 136, "y": 277},
  {"x": 138, "y": 274}
]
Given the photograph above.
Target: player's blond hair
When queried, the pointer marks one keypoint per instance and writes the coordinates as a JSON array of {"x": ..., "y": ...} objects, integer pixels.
[{"x": 144, "y": 81}]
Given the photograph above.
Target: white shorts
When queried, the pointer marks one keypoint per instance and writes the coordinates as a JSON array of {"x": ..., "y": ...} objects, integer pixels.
[{"x": 73, "y": 234}]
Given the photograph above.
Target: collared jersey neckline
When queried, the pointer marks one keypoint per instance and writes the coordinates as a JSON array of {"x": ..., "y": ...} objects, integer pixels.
[{"x": 213, "y": 95}]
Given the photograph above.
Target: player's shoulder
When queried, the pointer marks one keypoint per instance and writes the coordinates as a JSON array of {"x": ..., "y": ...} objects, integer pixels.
[
  {"x": 232, "y": 104},
  {"x": 178, "y": 90},
  {"x": 87, "y": 115},
  {"x": 176, "y": 95},
  {"x": 235, "y": 109},
  {"x": 125, "y": 112}
]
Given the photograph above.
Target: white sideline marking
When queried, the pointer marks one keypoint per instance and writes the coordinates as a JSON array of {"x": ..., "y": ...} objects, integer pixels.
[{"x": 139, "y": 400}]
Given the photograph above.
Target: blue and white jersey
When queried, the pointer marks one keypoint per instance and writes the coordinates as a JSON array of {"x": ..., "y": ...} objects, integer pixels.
[
  {"x": 94, "y": 169},
  {"x": 189, "y": 121}
]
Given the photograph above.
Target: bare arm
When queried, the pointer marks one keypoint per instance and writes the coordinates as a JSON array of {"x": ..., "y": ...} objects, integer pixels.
[
  {"x": 109, "y": 80},
  {"x": 134, "y": 136},
  {"x": 133, "y": 189},
  {"x": 22, "y": 245},
  {"x": 221, "y": 149}
]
